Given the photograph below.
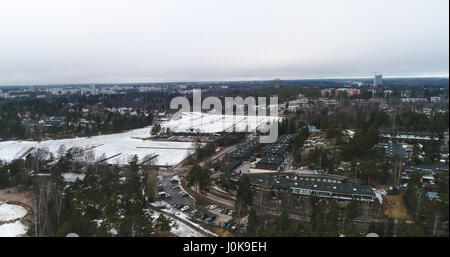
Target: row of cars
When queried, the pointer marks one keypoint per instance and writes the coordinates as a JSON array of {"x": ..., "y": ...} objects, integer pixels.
[
  {"x": 222, "y": 211},
  {"x": 162, "y": 194},
  {"x": 228, "y": 226},
  {"x": 225, "y": 225},
  {"x": 209, "y": 217},
  {"x": 180, "y": 206},
  {"x": 204, "y": 216},
  {"x": 182, "y": 192},
  {"x": 196, "y": 213}
]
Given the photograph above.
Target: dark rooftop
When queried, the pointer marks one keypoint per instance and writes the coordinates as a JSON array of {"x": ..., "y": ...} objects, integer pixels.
[
  {"x": 271, "y": 159},
  {"x": 288, "y": 183},
  {"x": 245, "y": 149}
]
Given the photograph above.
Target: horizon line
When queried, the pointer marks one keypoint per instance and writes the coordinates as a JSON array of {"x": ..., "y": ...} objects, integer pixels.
[{"x": 446, "y": 76}]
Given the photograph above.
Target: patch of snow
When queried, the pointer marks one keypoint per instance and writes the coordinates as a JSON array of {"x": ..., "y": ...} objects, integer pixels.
[
  {"x": 113, "y": 231},
  {"x": 379, "y": 193},
  {"x": 12, "y": 229},
  {"x": 350, "y": 133},
  {"x": 175, "y": 178},
  {"x": 161, "y": 204},
  {"x": 179, "y": 228},
  {"x": 10, "y": 212},
  {"x": 99, "y": 222},
  {"x": 72, "y": 176}
]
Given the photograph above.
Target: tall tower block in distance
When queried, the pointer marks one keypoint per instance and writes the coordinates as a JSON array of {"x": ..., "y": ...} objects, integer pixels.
[
  {"x": 33, "y": 88},
  {"x": 377, "y": 80},
  {"x": 276, "y": 83}
]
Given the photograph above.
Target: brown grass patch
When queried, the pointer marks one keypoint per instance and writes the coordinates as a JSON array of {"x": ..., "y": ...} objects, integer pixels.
[{"x": 394, "y": 207}]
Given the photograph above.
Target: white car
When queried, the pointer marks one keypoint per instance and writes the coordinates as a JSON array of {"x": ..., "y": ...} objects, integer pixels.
[
  {"x": 185, "y": 208},
  {"x": 212, "y": 207}
]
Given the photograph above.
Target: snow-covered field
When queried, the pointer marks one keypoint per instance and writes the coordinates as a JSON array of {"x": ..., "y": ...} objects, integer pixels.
[
  {"x": 122, "y": 146},
  {"x": 10, "y": 212},
  {"x": 213, "y": 123},
  {"x": 126, "y": 144},
  {"x": 12, "y": 229}
]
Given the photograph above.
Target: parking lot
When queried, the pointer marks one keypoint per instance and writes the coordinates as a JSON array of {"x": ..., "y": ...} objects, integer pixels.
[
  {"x": 174, "y": 193},
  {"x": 202, "y": 213}
]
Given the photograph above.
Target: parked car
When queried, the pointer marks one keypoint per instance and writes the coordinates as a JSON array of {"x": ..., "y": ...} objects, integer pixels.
[
  {"x": 185, "y": 208},
  {"x": 212, "y": 218},
  {"x": 163, "y": 195},
  {"x": 233, "y": 228},
  {"x": 224, "y": 211},
  {"x": 230, "y": 212},
  {"x": 224, "y": 225},
  {"x": 204, "y": 216},
  {"x": 174, "y": 203},
  {"x": 228, "y": 226},
  {"x": 212, "y": 207},
  {"x": 193, "y": 212}
]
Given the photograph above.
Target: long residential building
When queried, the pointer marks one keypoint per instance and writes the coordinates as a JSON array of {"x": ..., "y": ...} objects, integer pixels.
[
  {"x": 427, "y": 173},
  {"x": 338, "y": 191},
  {"x": 408, "y": 135}
]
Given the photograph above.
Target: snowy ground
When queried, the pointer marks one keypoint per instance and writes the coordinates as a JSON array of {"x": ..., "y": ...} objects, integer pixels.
[
  {"x": 10, "y": 212},
  {"x": 122, "y": 146},
  {"x": 181, "y": 215},
  {"x": 179, "y": 228},
  {"x": 72, "y": 177},
  {"x": 126, "y": 144},
  {"x": 12, "y": 229},
  {"x": 379, "y": 193},
  {"x": 213, "y": 123}
]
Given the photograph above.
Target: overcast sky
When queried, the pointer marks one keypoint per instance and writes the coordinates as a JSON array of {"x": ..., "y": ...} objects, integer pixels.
[{"x": 49, "y": 42}]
